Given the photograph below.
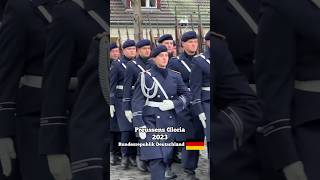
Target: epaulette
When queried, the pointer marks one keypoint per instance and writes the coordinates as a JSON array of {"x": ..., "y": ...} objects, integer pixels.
[
  {"x": 218, "y": 35},
  {"x": 175, "y": 71}
]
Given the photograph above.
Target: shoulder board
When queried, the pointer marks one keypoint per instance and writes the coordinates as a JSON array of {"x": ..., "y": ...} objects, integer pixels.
[
  {"x": 218, "y": 35},
  {"x": 175, "y": 71}
]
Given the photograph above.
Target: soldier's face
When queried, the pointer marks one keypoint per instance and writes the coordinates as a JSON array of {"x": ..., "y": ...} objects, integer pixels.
[
  {"x": 162, "y": 60},
  {"x": 130, "y": 52},
  {"x": 169, "y": 45},
  {"x": 114, "y": 53},
  {"x": 144, "y": 51},
  {"x": 191, "y": 45}
]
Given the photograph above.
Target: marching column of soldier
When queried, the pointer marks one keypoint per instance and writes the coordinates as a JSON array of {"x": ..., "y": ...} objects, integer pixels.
[{"x": 53, "y": 119}]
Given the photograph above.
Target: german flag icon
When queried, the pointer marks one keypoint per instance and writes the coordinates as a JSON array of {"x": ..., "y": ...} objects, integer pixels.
[{"x": 195, "y": 145}]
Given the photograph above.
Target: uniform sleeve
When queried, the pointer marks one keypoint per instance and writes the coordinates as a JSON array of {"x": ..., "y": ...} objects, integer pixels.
[
  {"x": 57, "y": 66},
  {"x": 89, "y": 123},
  {"x": 184, "y": 95},
  {"x": 127, "y": 87},
  {"x": 12, "y": 59},
  {"x": 138, "y": 101},
  {"x": 275, "y": 56},
  {"x": 233, "y": 97},
  {"x": 195, "y": 86},
  {"x": 113, "y": 83}
]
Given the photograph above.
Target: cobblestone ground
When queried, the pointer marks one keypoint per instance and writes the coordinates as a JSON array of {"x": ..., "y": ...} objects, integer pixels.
[{"x": 116, "y": 173}]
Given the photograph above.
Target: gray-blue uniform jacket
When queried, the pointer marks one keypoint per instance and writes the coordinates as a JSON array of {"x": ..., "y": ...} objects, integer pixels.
[
  {"x": 117, "y": 73},
  {"x": 189, "y": 120},
  {"x": 69, "y": 37},
  {"x": 288, "y": 46},
  {"x": 134, "y": 67},
  {"x": 200, "y": 87},
  {"x": 146, "y": 111}
]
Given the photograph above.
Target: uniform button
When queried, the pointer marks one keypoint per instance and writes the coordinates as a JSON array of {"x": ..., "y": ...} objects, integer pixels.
[
  {"x": 170, "y": 117},
  {"x": 171, "y": 96},
  {"x": 158, "y": 117},
  {"x": 158, "y": 96}
]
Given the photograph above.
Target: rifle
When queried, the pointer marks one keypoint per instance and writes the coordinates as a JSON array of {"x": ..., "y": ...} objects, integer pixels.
[
  {"x": 151, "y": 34},
  {"x": 146, "y": 32},
  {"x": 127, "y": 32},
  {"x": 191, "y": 21},
  {"x": 177, "y": 31},
  {"x": 200, "y": 35},
  {"x": 119, "y": 39},
  {"x": 158, "y": 29}
]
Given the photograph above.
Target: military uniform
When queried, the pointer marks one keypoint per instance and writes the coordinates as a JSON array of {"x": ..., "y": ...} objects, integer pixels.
[
  {"x": 69, "y": 37},
  {"x": 147, "y": 113},
  {"x": 287, "y": 68},
  {"x": 22, "y": 47},
  {"x": 187, "y": 118},
  {"x": 115, "y": 133},
  {"x": 131, "y": 77},
  {"x": 241, "y": 40},
  {"x": 200, "y": 87},
  {"x": 117, "y": 73},
  {"x": 236, "y": 115},
  {"x": 89, "y": 122}
]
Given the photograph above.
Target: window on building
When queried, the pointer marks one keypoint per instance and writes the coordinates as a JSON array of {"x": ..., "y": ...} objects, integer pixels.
[{"x": 147, "y": 4}]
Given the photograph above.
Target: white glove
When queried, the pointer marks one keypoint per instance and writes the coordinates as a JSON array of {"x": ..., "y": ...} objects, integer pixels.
[
  {"x": 59, "y": 166},
  {"x": 128, "y": 115},
  {"x": 7, "y": 152},
  {"x": 295, "y": 171},
  {"x": 203, "y": 119},
  {"x": 142, "y": 135},
  {"x": 112, "y": 110},
  {"x": 166, "y": 105}
]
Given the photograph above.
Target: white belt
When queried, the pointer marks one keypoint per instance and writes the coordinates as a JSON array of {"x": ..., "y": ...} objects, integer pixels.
[
  {"x": 310, "y": 86},
  {"x": 121, "y": 87},
  {"x": 153, "y": 104},
  {"x": 205, "y": 88},
  {"x": 36, "y": 81}
]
